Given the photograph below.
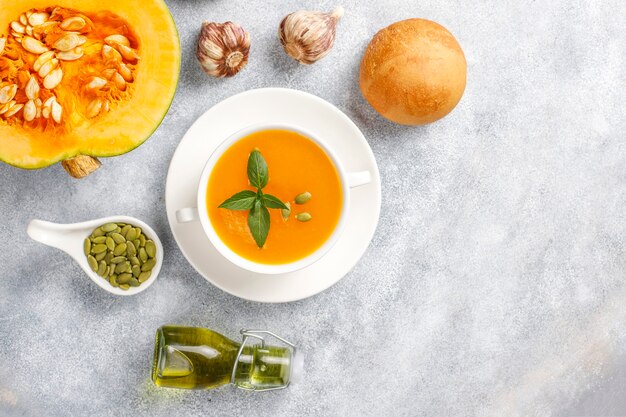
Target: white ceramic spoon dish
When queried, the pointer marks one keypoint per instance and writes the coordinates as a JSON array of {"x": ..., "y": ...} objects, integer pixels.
[{"x": 70, "y": 237}]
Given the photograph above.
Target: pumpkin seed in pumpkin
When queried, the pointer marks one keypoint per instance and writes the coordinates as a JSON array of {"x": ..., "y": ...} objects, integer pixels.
[
  {"x": 71, "y": 55},
  {"x": 73, "y": 23}
]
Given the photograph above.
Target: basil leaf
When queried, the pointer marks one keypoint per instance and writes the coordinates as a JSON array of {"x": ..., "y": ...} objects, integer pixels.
[
  {"x": 259, "y": 223},
  {"x": 272, "y": 202},
  {"x": 257, "y": 170},
  {"x": 243, "y": 200}
]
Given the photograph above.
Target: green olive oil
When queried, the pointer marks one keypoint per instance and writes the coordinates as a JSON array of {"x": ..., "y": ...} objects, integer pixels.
[{"x": 191, "y": 357}]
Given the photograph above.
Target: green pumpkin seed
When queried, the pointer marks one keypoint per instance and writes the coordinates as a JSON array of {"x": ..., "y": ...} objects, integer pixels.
[
  {"x": 87, "y": 246},
  {"x": 150, "y": 248},
  {"x": 144, "y": 276},
  {"x": 119, "y": 249},
  {"x": 120, "y": 253},
  {"x": 109, "y": 227},
  {"x": 99, "y": 239},
  {"x": 102, "y": 267},
  {"x": 113, "y": 280},
  {"x": 99, "y": 248},
  {"x": 148, "y": 265},
  {"x": 130, "y": 249},
  {"x": 131, "y": 234},
  {"x": 93, "y": 264},
  {"x": 286, "y": 212},
  {"x": 125, "y": 230},
  {"x": 122, "y": 267},
  {"x": 303, "y": 217},
  {"x": 124, "y": 278},
  {"x": 303, "y": 198},
  {"x": 117, "y": 238}
]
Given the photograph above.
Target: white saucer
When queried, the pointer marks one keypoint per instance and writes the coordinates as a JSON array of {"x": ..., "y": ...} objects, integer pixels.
[{"x": 273, "y": 105}]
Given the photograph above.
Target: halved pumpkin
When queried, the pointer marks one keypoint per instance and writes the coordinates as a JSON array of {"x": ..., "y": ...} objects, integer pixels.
[{"x": 83, "y": 78}]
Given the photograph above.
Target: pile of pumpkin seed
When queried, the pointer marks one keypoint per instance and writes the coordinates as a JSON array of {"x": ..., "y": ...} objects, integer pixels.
[{"x": 121, "y": 254}]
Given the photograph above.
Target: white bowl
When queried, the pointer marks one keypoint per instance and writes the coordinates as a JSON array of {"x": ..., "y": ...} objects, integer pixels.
[{"x": 348, "y": 180}]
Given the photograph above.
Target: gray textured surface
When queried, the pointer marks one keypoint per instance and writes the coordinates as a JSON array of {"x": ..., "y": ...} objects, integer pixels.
[{"x": 495, "y": 282}]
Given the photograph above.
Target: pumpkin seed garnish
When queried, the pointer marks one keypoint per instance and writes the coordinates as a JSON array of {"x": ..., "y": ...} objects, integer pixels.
[
  {"x": 121, "y": 254},
  {"x": 303, "y": 217},
  {"x": 286, "y": 212},
  {"x": 303, "y": 198}
]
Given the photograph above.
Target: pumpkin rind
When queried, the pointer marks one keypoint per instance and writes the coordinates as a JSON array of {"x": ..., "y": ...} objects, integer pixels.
[{"x": 132, "y": 121}]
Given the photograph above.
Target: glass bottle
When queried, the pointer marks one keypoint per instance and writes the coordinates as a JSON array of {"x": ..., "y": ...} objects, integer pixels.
[{"x": 194, "y": 357}]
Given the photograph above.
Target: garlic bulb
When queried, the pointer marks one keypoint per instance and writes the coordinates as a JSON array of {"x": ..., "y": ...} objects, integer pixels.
[
  {"x": 309, "y": 36},
  {"x": 223, "y": 48}
]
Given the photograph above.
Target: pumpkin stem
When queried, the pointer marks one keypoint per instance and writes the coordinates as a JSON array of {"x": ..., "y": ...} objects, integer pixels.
[{"x": 81, "y": 165}]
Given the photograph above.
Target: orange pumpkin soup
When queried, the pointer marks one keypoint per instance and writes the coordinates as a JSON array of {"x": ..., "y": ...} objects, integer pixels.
[{"x": 295, "y": 164}]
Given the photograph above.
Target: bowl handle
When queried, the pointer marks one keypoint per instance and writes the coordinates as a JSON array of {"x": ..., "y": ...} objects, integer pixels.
[
  {"x": 187, "y": 215},
  {"x": 356, "y": 179}
]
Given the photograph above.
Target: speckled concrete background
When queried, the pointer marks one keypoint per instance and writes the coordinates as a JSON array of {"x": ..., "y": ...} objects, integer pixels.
[{"x": 494, "y": 285}]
